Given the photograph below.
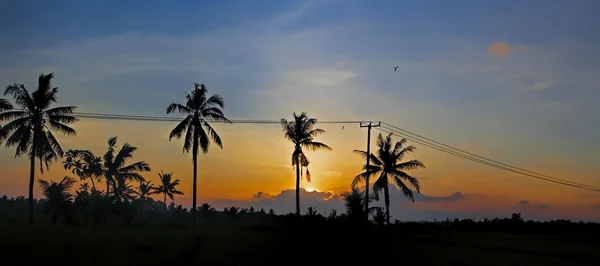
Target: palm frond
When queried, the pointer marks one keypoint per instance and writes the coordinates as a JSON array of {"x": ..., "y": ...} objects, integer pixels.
[
  {"x": 315, "y": 146},
  {"x": 179, "y": 107},
  {"x": 5, "y": 105},
  {"x": 180, "y": 128},
  {"x": 213, "y": 134},
  {"x": 409, "y": 165},
  {"x": 13, "y": 114},
  {"x": 62, "y": 128},
  {"x": 399, "y": 175}
]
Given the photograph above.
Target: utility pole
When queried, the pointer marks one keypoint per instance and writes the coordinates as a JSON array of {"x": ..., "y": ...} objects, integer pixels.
[{"x": 368, "y": 126}]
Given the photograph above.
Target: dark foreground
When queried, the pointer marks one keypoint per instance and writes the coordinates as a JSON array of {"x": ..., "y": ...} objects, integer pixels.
[{"x": 104, "y": 245}]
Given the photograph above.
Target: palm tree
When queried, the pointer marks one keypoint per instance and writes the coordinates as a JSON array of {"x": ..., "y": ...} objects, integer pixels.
[
  {"x": 387, "y": 165},
  {"x": 167, "y": 187},
  {"x": 144, "y": 190},
  {"x": 115, "y": 167},
  {"x": 30, "y": 128},
  {"x": 57, "y": 194},
  {"x": 197, "y": 108},
  {"x": 354, "y": 201},
  {"x": 301, "y": 132}
]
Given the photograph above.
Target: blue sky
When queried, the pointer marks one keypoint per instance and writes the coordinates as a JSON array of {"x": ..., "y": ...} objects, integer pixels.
[{"x": 514, "y": 80}]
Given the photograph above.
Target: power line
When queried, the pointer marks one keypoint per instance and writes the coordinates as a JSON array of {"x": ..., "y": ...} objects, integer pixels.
[
  {"x": 470, "y": 158},
  {"x": 388, "y": 128},
  {"x": 178, "y": 119},
  {"x": 478, "y": 156}
]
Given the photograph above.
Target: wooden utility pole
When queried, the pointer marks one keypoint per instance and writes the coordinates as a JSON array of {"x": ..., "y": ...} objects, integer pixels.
[{"x": 368, "y": 126}]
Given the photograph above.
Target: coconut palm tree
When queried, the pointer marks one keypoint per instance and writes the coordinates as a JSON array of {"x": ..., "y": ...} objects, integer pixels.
[
  {"x": 198, "y": 132},
  {"x": 30, "y": 128},
  {"x": 167, "y": 187},
  {"x": 354, "y": 201},
  {"x": 116, "y": 168},
  {"x": 144, "y": 190},
  {"x": 387, "y": 164},
  {"x": 57, "y": 194},
  {"x": 301, "y": 131}
]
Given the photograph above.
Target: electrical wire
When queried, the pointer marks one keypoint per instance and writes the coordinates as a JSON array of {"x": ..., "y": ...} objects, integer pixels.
[
  {"x": 470, "y": 158},
  {"x": 387, "y": 128}
]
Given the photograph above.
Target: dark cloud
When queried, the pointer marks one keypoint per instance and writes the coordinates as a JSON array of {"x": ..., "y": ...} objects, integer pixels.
[
  {"x": 454, "y": 197},
  {"x": 525, "y": 204}
]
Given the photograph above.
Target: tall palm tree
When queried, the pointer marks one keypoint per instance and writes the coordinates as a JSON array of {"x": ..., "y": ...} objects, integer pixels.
[
  {"x": 387, "y": 164},
  {"x": 301, "y": 131},
  {"x": 31, "y": 127},
  {"x": 197, "y": 109},
  {"x": 116, "y": 168},
  {"x": 57, "y": 194},
  {"x": 167, "y": 187}
]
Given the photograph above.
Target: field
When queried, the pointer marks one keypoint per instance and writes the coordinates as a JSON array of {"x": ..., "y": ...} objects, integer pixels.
[{"x": 105, "y": 245}]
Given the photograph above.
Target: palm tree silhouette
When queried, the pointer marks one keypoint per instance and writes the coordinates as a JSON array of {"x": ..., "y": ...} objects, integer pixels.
[
  {"x": 301, "y": 132},
  {"x": 144, "y": 190},
  {"x": 57, "y": 194},
  {"x": 354, "y": 201},
  {"x": 387, "y": 164},
  {"x": 198, "y": 107},
  {"x": 31, "y": 127},
  {"x": 167, "y": 187},
  {"x": 115, "y": 167}
]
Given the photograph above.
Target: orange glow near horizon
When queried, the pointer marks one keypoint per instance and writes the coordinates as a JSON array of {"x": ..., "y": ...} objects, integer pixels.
[{"x": 257, "y": 158}]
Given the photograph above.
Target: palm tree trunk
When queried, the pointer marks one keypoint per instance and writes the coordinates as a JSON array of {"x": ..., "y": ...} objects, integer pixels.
[
  {"x": 31, "y": 179},
  {"x": 165, "y": 201},
  {"x": 195, "y": 159},
  {"x": 297, "y": 186},
  {"x": 386, "y": 190}
]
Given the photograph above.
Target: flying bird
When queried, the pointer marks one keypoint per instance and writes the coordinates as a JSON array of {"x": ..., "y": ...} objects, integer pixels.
[
  {"x": 395, "y": 68},
  {"x": 343, "y": 127}
]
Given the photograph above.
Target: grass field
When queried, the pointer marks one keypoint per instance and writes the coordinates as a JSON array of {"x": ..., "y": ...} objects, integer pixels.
[{"x": 48, "y": 245}]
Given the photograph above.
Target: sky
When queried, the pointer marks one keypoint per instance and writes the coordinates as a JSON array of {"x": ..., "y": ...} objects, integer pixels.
[{"x": 515, "y": 81}]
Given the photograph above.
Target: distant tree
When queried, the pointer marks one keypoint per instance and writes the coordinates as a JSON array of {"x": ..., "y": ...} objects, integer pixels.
[
  {"x": 387, "y": 164},
  {"x": 84, "y": 164},
  {"x": 301, "y": 132},
  {"x": 312, "y": 211},
  {"x": 198, "y": 109},
  {"x": 271, "y": 212},
  {"x": 354, "y": 201},
  {"x": 168, "y": 187},
  {"x": 30, "y": 128},
  {"x": 379, "y": 215},
  {"x": 205, "y": 208},
  {"x": 57, "y": 195},
  {"x": 116, "y": 168},
  {"x": 332, "y": 215}
]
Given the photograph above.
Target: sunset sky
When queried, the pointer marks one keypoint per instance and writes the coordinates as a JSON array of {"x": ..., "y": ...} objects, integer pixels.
[{"x": 515, "y": 81}]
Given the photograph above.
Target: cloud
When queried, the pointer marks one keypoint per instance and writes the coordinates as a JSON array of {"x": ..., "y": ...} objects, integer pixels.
[
  {"x": 596, "y": 206},
  {"x": 502, "y": 48},
  {"x": 454, "y": 197},
  {"x": 526, "y": 204}
]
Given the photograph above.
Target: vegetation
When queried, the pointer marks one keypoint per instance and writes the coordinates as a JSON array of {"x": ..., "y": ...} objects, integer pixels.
[
  {"x": 70, "y": 223},
  {"x": 301, "y": 131},
  {"x": 387, "y": 165},
  {"x": 198, "y": 132},
  {"x": 30, "y": 128}
]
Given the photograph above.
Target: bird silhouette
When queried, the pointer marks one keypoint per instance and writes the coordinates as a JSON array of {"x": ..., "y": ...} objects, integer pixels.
[
  {"x": 395, "y": 68},
  {"x": 343, "y": 127}
]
